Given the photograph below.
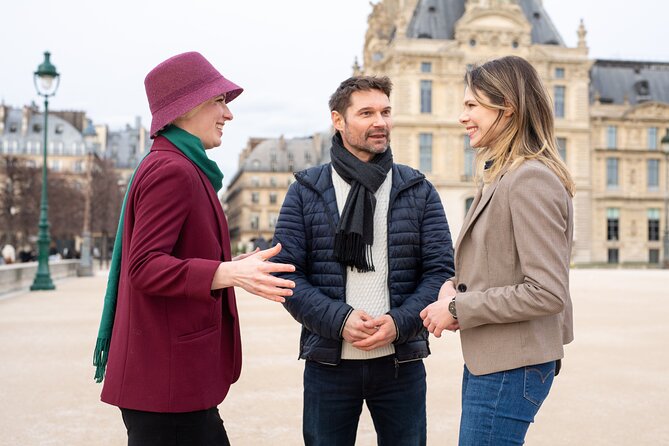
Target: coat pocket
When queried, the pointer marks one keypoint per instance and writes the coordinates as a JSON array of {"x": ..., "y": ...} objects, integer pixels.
[
  {"x": 196, "y": 334},
  {"x": 195, "y": 365}
]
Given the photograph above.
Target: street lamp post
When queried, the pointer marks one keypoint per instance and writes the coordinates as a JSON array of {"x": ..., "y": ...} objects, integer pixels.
[
  {"x": 46, "y": 83},
  {"x": 665, "y": 238}
]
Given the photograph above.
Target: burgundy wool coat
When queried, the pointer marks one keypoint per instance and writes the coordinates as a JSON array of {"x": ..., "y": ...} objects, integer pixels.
[{"x": 176, "y": 344}]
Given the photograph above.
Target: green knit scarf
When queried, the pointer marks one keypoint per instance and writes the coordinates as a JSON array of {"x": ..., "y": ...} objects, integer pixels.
[{"x": 192, "y": 147}]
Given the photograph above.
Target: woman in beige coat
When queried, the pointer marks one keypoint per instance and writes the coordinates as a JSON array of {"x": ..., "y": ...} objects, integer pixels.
[{"x": 510, "y": 294}]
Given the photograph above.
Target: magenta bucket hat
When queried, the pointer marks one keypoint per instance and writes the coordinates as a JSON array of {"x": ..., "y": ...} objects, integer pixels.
[{"x": 181, "y": 83}]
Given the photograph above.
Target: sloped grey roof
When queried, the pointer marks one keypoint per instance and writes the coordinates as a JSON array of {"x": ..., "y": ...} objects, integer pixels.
[
  {"x": 614, "y": 80},
  {"x": 543, "y": 29},
  {"x": 60, "y": 130},
  {"x": 435, "y": 19},
  {"x": 282, "y": 155}
]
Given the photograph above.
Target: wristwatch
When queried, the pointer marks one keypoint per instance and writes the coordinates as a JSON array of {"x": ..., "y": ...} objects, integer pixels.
[{"x": 451, "y": 309}]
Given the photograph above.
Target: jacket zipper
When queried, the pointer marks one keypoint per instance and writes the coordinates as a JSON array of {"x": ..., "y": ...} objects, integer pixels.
[
  {"x": 391, "y": 202},
  {"x": 344, "y": 270}
]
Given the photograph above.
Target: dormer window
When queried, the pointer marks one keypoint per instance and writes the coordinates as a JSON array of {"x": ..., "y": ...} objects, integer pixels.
[
  {"x": 472, "y": 42},
  {"x": 642, "y": 87},
  {"x": 59, "y": 129}
]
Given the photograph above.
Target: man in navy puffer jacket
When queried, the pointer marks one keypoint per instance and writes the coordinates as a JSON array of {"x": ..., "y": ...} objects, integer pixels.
[{"x": 371, "y": 247}]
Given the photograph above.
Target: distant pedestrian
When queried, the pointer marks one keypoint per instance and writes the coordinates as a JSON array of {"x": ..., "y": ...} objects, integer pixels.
[
  {"x": 170, "y": 326},
  {"x": 9, "y": 254},
  {"x": 26, "y": 254},
  {"x": 510, "y": 294}
]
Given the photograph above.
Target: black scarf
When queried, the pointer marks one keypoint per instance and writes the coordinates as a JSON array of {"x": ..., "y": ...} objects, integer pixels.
[{"x": 355, "y": 232}]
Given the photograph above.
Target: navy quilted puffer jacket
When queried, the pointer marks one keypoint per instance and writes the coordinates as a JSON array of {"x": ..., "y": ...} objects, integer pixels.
[{"x": 420, "y": 259}]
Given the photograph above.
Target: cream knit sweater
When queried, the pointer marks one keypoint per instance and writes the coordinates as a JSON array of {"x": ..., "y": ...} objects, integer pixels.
[{"x": 369, "y": 291}]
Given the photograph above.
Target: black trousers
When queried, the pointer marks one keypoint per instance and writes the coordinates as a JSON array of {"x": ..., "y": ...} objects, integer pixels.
[{"x": 200, "y": 428}]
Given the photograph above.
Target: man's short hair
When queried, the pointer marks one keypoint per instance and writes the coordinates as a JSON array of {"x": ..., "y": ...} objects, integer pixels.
[{"x": 341, "y": 98}]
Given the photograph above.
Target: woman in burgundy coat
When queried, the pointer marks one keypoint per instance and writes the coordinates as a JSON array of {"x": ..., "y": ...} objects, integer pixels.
[{"x": 169, "y": 333}]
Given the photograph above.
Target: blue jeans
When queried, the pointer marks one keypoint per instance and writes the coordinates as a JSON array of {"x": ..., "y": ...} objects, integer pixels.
[
  {"x": 497, "y": 409},
  {"x": 394, "y": 393}
]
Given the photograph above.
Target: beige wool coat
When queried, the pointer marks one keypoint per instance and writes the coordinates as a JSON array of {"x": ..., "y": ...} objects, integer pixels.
[{"x": 512, "y": 271}]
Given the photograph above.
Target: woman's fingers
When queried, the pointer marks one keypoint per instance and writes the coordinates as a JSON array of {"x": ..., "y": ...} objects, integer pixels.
[
  {"x": 278, "y": 267},
  {"x": 271, "y": 252}
]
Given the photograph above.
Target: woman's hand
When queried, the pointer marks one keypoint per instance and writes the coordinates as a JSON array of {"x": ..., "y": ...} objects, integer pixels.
[
  {"x": 245, "y": 255},
  {"x": 436, "y": 317},
  {"x": 253, "y": 273}
]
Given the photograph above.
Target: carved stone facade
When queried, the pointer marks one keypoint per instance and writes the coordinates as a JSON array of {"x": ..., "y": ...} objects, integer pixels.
[
  {"x": 425, "y": 47},
  {"x": 428, "y": 74},
  {"x": 628, "y": 181}
]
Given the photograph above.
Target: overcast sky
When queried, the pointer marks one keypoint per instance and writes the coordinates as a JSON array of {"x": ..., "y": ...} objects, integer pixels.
[{"x": 288, "y": 55}]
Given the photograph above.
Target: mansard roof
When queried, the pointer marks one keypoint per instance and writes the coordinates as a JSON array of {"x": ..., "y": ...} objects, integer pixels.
[
  {"x": 60, "y": 130},
  {"x": 435, "y": 19},
  {"x": 620, "y": 81},
  {"x": 282, "y": 155}
]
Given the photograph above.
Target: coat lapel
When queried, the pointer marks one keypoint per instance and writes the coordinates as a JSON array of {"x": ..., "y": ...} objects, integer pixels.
[
  {"x": 224, "y": 235},
  {"x": 220, "y": 216},
  {"x": 480, "y": 202},
  {"x": 162, "y": 143}
]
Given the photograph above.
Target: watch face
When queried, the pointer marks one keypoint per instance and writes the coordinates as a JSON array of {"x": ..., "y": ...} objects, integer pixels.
[{"x": 451, "y": 309}]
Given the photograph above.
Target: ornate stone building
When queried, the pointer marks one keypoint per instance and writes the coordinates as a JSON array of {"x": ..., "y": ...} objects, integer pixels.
[
  {"x": 425, "y": 46},
  {"x": 255, "y": 194},
  {"x": 609, "y": 114},
  {"x": 72, "y": 143},
  {"x": 72, "y": 137},
  {"x": 610, "y": 118},
  {"x": 22, "y": 136},
  {"x": 628, "y": 115}
]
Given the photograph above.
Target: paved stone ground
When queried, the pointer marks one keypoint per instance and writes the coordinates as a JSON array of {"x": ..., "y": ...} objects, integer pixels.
[{"x": 614, "y": 389}]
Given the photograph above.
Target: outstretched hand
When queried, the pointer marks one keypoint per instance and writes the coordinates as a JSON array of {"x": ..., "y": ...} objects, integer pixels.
[
  {"x": 245, "y": 255},
  {"x": 253, "y": 273}
]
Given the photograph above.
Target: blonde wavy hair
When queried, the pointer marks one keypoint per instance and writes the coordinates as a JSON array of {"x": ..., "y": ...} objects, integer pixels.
[{"x": 511, "y": 83}]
